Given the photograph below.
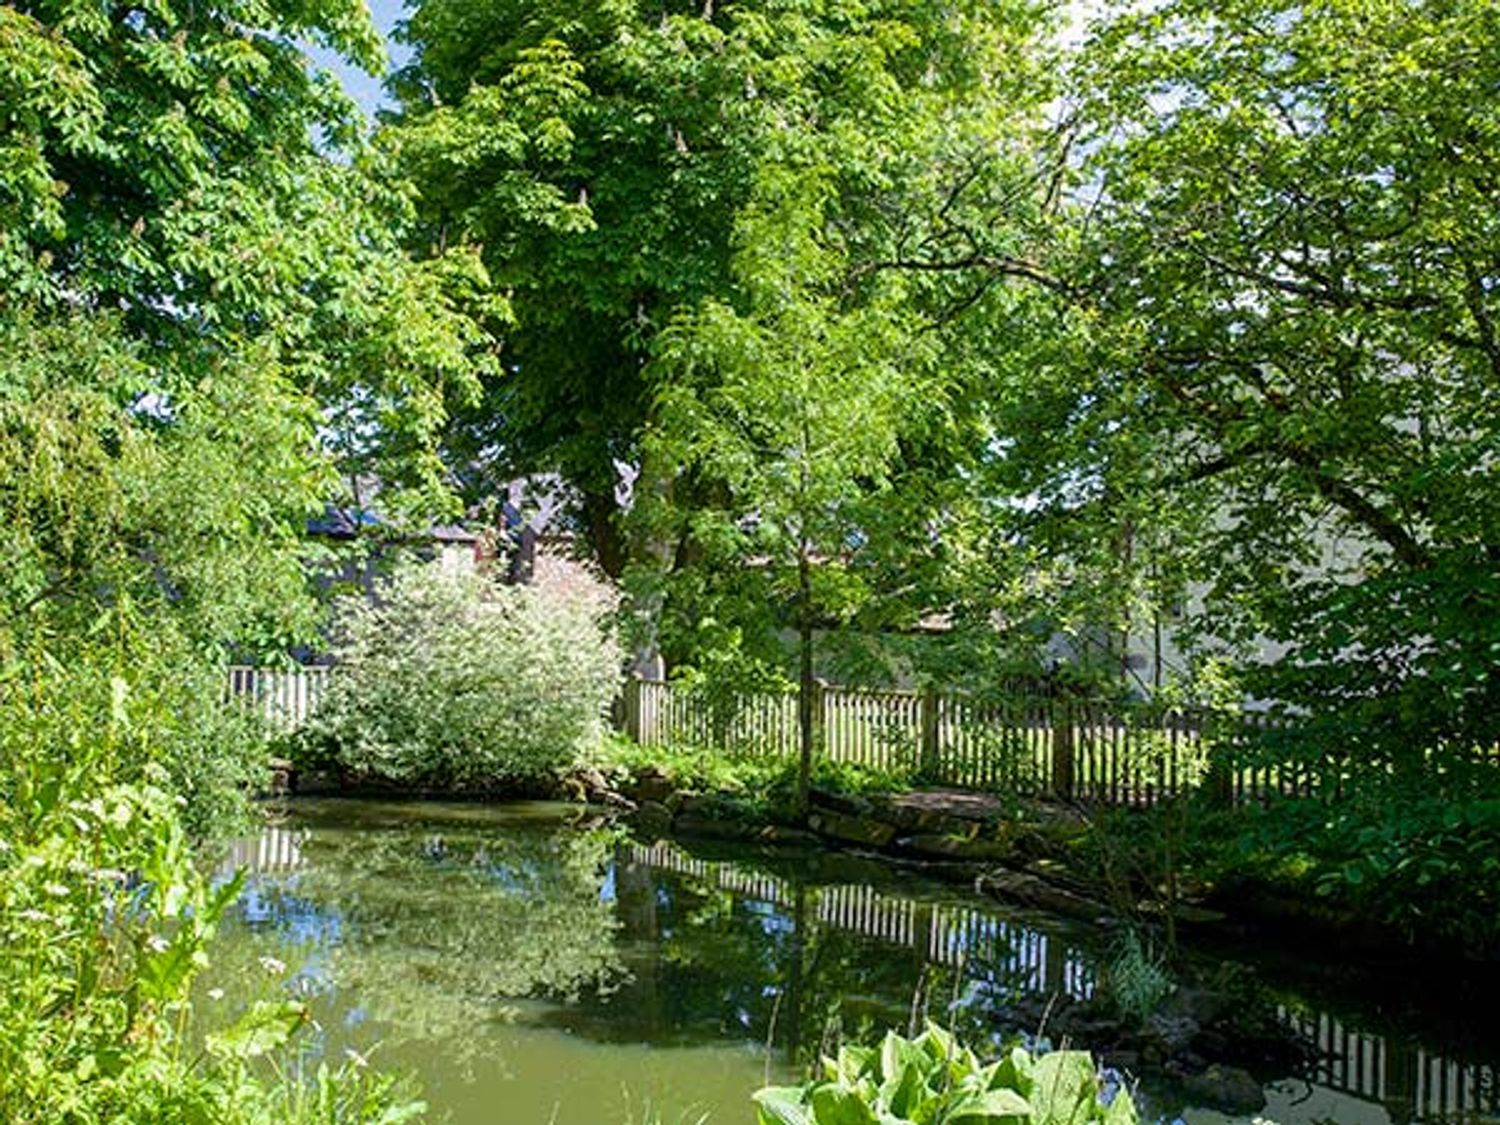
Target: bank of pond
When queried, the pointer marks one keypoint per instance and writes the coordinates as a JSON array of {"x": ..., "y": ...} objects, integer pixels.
[{"x": 534, "y": 962}]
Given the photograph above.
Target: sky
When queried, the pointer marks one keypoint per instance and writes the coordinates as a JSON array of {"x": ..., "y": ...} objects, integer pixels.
[
  {"x": 367, "y": 89},
  {"x": 364, "y": 88}
]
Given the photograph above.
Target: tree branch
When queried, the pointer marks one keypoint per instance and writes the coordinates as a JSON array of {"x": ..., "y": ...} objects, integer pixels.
[{"x": 1000, "y": 266}]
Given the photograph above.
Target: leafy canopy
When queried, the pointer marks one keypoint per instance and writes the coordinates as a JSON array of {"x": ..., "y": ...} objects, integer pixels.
[
  {"x": 187, "y": 168},
  {"x": 606, "y": 156}
]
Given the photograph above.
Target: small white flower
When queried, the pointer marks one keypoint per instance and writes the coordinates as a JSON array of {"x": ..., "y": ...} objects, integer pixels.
[
  {"x": 273, "y": 966},
  {"x": 56, "y": 890},
  {"x": 157, "y": 944},
  {"x": 216, "y": 994}
]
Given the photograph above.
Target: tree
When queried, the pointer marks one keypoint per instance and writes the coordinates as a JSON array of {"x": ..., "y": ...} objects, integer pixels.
[
  {"x": 1255, "y": 377},
  {"x": 603, "y": 153},
  {"x": 795, "y": 412},
  {"x": 190, "y": 291},
  {"x": 1291, "y": 267},
  {"x": 141, "y": 542},
  {"x": 597, "y": 154},
  {"x": 185, "y": 168},
  {"x": 806, "y": 418}
]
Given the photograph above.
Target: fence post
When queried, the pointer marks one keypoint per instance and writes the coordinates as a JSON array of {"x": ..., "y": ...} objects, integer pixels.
[
  {"x": 632, "y": 708},
  {"x": 1219, "y": 778},
  {"x": 1062, "y": 749},
  {"x": 820, "y": 717},
  {"x": 928, "y": 708}
]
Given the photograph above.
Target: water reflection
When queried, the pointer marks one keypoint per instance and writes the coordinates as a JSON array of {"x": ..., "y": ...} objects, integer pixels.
[{"x": 532, "y": 969}]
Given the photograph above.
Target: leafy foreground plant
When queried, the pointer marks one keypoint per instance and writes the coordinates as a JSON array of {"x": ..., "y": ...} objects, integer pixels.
[
  {"x": 933, "y": 1080},
  {"x": 105, "y": 924}
]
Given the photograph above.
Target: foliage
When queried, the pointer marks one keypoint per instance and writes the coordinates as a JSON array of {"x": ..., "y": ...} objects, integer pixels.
[
  {"x": 795, "y": 407},
  {"x": 932, "y": 1079},
  {"x": 1419, "y": 864},
  {"x": 1135, "y": 978},
  {"x": 1423, "y": 866},
  {"x": 1268, "y": 388},
  {"x": 454, "y": 680},
  {"x": 106, "y": 922},
  {"x": 190, "y": 509},
  {"x": 433, "y": 922},
  {"x": 727, "y": 680},
  {"x": 203, "y": 299},
  {"x": 608, "y": 157},
  {"x": 188, "y": 169},
  {"x": 758, "y": 786},
  {"x": 140, "y": 540}
]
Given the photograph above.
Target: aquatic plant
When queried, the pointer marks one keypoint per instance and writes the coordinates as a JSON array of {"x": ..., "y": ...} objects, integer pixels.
[
  {"x": 1135, "y": 978},
  {"x": 934, "y": 1080}
]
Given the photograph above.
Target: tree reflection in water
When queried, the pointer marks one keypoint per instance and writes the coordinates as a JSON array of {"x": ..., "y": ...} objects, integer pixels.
[
  {"x": 429, "y": 924},
  {"x": 500, "y": 950}
]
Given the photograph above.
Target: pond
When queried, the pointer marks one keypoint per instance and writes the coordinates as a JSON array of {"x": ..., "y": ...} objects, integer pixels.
[{"x": 531, "y": 964}]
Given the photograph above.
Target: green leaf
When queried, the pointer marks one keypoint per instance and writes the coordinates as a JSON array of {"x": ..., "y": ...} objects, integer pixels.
[
  {"x": 836, "y": 1105},
  {"x": 1016, "y": 1071},
  {"x": 782, "y": 1105},
  {"x": 267, "y": 1026},
  {"x": 906, "y": 1069},
  {"x": 1122, "y": 1110},
  {"x": 1065, "y": 1088},
  {"x": 992, "y": 1107}
]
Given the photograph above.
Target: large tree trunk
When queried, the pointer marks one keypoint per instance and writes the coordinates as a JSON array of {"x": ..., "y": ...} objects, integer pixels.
[
  {"x": 601, "y": 518},
  {"x": 648, "y": 547}
]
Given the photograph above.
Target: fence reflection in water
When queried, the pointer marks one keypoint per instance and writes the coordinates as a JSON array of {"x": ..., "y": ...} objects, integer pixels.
[{"x": 1409, "y": 1082}]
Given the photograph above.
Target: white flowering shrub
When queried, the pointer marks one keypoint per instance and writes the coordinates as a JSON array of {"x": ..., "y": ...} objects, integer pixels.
[{"x": 458, "y": 681}]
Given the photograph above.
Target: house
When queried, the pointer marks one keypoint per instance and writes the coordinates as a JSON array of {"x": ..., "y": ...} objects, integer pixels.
[{"x": 358, "y": 547}]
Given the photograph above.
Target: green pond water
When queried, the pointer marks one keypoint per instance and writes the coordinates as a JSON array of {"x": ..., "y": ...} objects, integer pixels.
[{"x": 528, "y": 964}]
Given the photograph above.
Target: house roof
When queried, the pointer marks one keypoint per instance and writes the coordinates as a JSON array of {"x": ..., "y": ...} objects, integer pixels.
[
  {"x": 347, "y": 523},
  {"x": 342, "y": 523}
]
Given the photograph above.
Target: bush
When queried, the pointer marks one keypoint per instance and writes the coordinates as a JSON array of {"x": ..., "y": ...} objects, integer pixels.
[
  {"x": 934, "y": 1079},
  {"x": 456, "y": 681},
  {"x": 1427, "y": 867},
  {"x": 105, "y": 923},
  {"x": 163, "y": 703}
]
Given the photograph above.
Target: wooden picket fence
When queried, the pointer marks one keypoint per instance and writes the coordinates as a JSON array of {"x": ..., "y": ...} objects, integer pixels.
[
  {"x": 1023, "y": 739},
  {"x": 1028, "y": 743},
  {"x": 282, "y": 697}
]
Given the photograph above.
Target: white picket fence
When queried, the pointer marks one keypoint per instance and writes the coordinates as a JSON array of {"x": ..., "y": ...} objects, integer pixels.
[{"x": 282, "y": 697}]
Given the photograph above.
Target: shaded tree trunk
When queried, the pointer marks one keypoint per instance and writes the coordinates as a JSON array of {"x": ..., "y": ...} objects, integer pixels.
[
  {"x": 806, "y": 684},
  {"x": 602, "y": 524}
]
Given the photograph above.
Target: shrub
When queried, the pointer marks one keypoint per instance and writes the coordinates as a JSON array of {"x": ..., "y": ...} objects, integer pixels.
[
  {"x": 105, "y": 923},
  {"x": 454, "y": 680},
  {"x": 163, "y": 703},
  {"x": 1426, "y": 866},
  {"x": 934, "y": 1079}
]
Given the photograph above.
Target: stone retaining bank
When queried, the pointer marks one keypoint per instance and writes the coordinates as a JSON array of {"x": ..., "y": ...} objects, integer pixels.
[{"x": 1009, "y": 852}]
